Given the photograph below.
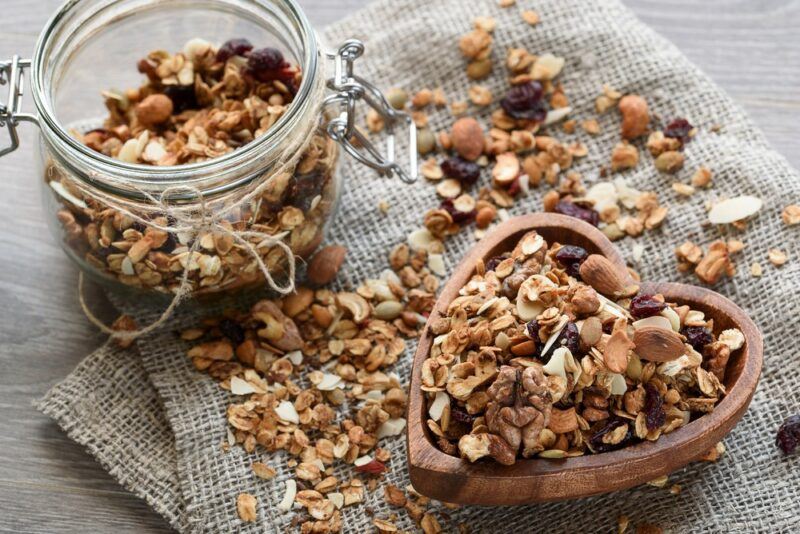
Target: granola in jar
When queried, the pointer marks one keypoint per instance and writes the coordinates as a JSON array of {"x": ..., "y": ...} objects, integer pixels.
[{"x": 196, "y": 105}]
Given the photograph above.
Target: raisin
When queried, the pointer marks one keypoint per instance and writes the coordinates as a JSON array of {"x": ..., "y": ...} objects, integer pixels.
[
  {"x": 609, "y": 425},
  {"x": 588, "y": 215},
  {"x": 493, "y": 262},
  {"x": 655, "y": 416},
  {"x": 569, "y": 338},
  {"x": 571, "y": 257},
  {"x": 233, "y": 47},
  {"x": 466, "y": 172},
  {"x": 232, "y": 330},
  {"x": 524, "y": 101},
  {"x": 645, "y": 306},
  {"x": 789, "y": 435},
  {"x": 697, "y": 336},
  {"x": 182, "y": 96},
  {"x": 459, "y": 217},
  {"x": 532, "y": 328},
  {"x": 679, "y": 129},
  {"x": 458, "y": 414}
]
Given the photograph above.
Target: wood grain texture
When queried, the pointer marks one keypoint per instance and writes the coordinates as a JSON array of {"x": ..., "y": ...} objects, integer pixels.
[
  {"x": 47, "y": 483},
  {"x": 451, "y": 479}
]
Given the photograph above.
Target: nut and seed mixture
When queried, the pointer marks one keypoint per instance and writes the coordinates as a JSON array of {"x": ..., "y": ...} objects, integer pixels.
[
  {"x": 196, "y": 105},
  {"x": 549, "y": 351}
]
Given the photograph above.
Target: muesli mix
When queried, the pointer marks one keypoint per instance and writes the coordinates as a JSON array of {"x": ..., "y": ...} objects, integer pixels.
[
  {"x": 553, "y": 352},
  {"x": 199, "y": 104}
]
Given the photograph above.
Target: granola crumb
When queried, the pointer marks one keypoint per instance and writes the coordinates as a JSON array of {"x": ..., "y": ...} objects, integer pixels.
[
  {"x": 777, "y": 257},
  {"x": 756, "y": 269},
  {"x": 791, "y": 215},
  {"x": 246, "y": 507},
  {"x": 531, "y": 17}
]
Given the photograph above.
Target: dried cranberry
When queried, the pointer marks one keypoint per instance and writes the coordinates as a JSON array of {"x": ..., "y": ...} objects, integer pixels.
[
  {"x": 524, "y": 101},
  {"x": 609, "y": 425},
  {"x": 679, "y": 129},
  {"x": 569, "y": 338},
  {"x": 697, "y": 336},
  {"x": 655, "y": 416},
  {"x": 571, "y": 257},
  {"x": 232, "y": 330},
  {"x": 588, "y": 215},
  {"x": 789, "y": 435},
  {"x": 645, "y": 306},
  {"x": 265, "y": 59},
  {"x": 233, "y": 47},
  {"x": 458, "y": 414},
  {"x": 466, "y": 172},
  {"x": 182, "y": 96},
  {"x": 169, "y": 244},
  {"x": 459, "y": 217}
]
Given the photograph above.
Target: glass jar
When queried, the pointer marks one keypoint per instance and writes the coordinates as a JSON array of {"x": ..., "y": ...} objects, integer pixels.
[{"x": 207, "y": 225}]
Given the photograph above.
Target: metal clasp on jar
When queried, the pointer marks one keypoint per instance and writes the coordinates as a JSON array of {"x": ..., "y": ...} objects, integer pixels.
[
  {"x": 12, "y": 72},
  {"x": 348, "y": 89}
]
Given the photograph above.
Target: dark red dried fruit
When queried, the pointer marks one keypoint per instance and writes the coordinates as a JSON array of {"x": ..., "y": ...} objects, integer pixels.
[
  {"x": 458, "y": 414},
  {"x": 645, "y": 306},
  {"x": 679, "y": 129},
  {"x": 655, "y": 416},
  {"x": 571, "y": 257},
  {"x": 524, "y": 101},
  {"x": 264, "y": 60},
  {"x": 532, "y": 328},
  {"x": 569, "y": 337},
  {"x": 182, "y": 96},
  {"x": 788, "y": 437},
  {"x": 373, "y": 468},
  {"x": 304, "y": 189},
  {"x": 232, "y": 330},
  {"x": 609, "y": 425},
  {"x": 492, "y": 264},
  {"x": 588, "y": 215},
  {"x": 466, "y": 172},
  {"x": 233, "y": 47},
  {"x": 697, "y": 336},
  {"x": 459, "y": 217}
]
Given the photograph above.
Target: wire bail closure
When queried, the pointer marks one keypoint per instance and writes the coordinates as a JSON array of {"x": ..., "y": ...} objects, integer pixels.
[
  {"x": 349, "y": 89},
  {"x": 12, "y": 72}
]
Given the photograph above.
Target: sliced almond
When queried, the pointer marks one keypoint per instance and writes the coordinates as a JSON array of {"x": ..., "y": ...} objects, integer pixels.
[
  {"x": 619, "y": 344},
  {"x": 734, "y": 209},
  {"x": 657, "y": 344},
  {"x": 604, "y": 277}
]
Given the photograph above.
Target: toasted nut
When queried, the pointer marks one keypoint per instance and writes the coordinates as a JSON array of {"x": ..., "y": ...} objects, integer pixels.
[
  {"x": 603, "y": 276},
  {"x": 657, "y": 344},
  {"x": 467, "y": 138},
  {"x": 635, "y": 116},
  {"x": 615, "y": 354},
  {"x": 154, "y": 110},
  {"x": 325, "y": 264},
  {"x": 298, "y": 301},
  {"x": 355, "y": 304},
  {"x": 485, "y": 216}
]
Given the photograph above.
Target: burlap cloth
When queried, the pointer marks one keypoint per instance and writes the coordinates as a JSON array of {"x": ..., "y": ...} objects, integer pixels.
[{"x": 157, "y": 425}]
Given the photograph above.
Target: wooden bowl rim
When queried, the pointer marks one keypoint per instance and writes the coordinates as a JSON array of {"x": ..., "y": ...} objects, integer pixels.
[{"x": 424, "y": 457}]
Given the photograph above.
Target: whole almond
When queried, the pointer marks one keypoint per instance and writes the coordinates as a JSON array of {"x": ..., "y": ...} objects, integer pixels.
[
  {"x": 325, "y": 264},
  {"x": 606, "y": 278},
  {"x": 467, "y": 138},
  {"x": 658, "y": 344},
  {"x": 485, "y": 216},
  {"x": 297, "y": 302}
]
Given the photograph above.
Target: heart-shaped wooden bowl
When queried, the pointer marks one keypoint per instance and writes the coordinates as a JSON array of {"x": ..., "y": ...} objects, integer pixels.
[{"x": 450, "y": 479}]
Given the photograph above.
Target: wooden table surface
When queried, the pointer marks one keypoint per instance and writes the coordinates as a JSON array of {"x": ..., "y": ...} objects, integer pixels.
[{"x": 48, "y": 483}]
